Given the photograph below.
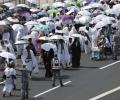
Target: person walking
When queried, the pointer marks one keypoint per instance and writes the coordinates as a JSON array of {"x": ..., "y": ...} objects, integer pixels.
[
  {"x": 56, "y": 70},
  {"x": 9, "y": 76},
  {"x": 75, "y": 53},
  {"x": 24, "y": 83}
]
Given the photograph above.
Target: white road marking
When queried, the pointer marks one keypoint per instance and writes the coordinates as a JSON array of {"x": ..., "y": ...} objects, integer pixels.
[
  {"x": 105, "y": 93},
  {"x": 51, "y": 89},
  {"x": 110, "y": 64}
]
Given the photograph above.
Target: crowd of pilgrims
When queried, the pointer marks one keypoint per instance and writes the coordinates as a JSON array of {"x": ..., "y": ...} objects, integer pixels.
[{"x": 93, "y": 30}]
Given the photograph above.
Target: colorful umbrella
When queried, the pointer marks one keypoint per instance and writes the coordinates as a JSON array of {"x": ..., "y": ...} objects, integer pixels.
[
  {"x": 74, "y": 8},
  {"x": 51, "y": 11},
  {"x": 66, "y": 17},
  {"x": 42, "y": 28}
]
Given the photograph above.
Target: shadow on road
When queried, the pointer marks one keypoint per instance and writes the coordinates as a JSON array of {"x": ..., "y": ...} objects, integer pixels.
[
  {"x": 40, "y": 79},
  {"x": 89, "y": 67}
]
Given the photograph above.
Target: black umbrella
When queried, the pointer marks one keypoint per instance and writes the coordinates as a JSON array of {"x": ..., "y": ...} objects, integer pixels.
[
  {"x": 21, "y": 9},
  {"x": 5, "y": 8}
]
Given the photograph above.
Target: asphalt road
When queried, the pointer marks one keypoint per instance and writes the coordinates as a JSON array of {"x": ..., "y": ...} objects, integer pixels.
[{"x": 93, "y": 81}]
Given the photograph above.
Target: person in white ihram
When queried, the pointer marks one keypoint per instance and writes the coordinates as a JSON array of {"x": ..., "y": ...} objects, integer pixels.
[{"x": 9, "y": 76}]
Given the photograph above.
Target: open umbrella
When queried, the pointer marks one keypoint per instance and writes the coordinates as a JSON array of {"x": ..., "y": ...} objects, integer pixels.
[
  {"x": 56, "y": 37},
  {"x": 28, "y": 37},
  {"x": 51, "y": 11},
  {"x": 31, "y": 23},
  {"x": 76, "y": 35},
  {"x": 74, "y": 8},
  {"x": 17, "y": 27},
  {"x": 21, "y": 9},
  {"x": 84, "y": 12},
  {"x": 21, "y": 42},
  {"x": 34, "y": 10},
  {"x": 9, "y": 4},
  {"x": 116, "y": 7},
  {"x": 7, "y": 55},
  {"x": 13, "y": 20},
  {"x": 58, "y": 4},
  {"x": 48, "y": 46},
  {"x": 44, "y": 19},
  {"x": 5, "y": 28},
  {"x": 66, "y": 17},
  {"x": 46, "y": 5},
  {"x": 24, "y": 14},
  {"x": 33, "y": 1},
  {"x": 93, "y": 5},
  {"x": 71, "y": 3},
  {"x": 4, "y": 22},
  {"x": 22, "y": 5},
  {"x": 42, "y": 28},
  {"x": 101, "y": 24},
  {"x": 84, "y": 19},
  {"x": 44, "y": 38},
  {"x": 98, "y": 18}
]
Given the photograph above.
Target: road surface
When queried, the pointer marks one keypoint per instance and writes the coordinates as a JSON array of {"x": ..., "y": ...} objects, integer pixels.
[{"x": 95, "y": 80}]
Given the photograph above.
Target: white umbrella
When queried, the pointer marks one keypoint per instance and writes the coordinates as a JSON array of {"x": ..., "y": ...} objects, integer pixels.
[
  {"x": 17, "y": 27},
  {"x": 76, "y": 35},
  {"x": 34, "y": 10},
  {"x": 21, "y": 42},
  {"x": 98, "y": 18},
  {"x": 48, "y": 46},
  {"x": 93, "y": 5},
  {"x": 9, "y": 4},
  {"x": 14, "y": 20},
  {"x": 3, "y": 22},
  {"x": 86, "y": 7},
  {"x": 58, "y": 4},
  {"x": 84, "y": 12},
  {"x": 22, "y": 5},
  {"x": 31, "y": 23},
  {"x": 44, "y": 19},
  {"x": 33, "y": 1},
  {"x": 44, "y": 38},
  {"x": 59, "y": 31},
  {"x": 84, "y": 19},
  {"x": 101, "y": 24},
  {"x": 7, "y": 55},
  {"x": 28, "y": 37},
  {"x": 110, "y": 11},
  {"x": 56, "y": 37},
  {"x": 116, "y": 7},
  {"x": 109, "y": 20},
  {"x": 96, "y": 5}
]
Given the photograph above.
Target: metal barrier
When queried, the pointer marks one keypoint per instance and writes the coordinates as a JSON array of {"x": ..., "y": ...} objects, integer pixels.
[{"x": 39, "y": 4}]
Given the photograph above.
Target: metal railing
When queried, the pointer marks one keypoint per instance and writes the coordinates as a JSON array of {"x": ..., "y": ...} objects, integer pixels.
[{"x": 39, "y": 4}]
